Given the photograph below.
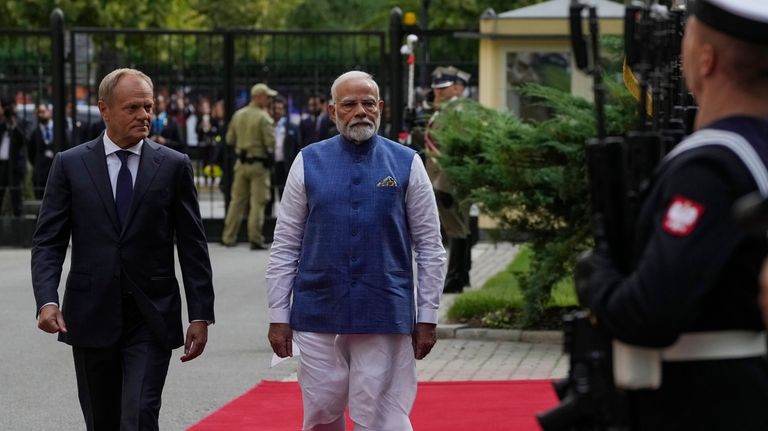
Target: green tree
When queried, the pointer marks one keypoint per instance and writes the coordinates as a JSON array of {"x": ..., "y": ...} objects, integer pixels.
[{"x": 531, "y": 176}]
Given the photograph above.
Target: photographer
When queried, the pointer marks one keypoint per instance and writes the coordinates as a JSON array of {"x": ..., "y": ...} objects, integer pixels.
[{"x": 693, "y": 293}]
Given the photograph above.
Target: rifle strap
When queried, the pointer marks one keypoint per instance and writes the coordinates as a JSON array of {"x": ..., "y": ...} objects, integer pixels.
[{"x": 734, "y": 142}]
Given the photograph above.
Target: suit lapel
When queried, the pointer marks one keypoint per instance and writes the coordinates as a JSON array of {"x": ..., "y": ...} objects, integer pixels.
[
  {"x": 95, "y": 162},
  {"x": 149, "y": 164}
]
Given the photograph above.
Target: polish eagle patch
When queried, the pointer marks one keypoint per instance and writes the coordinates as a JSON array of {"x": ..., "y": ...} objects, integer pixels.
[{"x": 682, "y": 216}]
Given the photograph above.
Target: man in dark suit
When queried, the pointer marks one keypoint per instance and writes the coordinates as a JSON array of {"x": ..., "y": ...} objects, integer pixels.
[
  {"x": 41, "y": 149},
  {"x": 165, "y": 128},
  {"x": 124, "y": 200},
  {"x": 13, "y": 157},
  {"x": 287, "y": 144},
  {"x": 317, "y": 126}
]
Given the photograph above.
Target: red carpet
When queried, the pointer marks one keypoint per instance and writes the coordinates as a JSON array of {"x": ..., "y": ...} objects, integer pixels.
[{"x": 440, "y": 406}]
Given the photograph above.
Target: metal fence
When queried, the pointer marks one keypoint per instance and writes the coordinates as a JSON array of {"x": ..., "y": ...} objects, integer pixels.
[{"x": 196, "y": 68}]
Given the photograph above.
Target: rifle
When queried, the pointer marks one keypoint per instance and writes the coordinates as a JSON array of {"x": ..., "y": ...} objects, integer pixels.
[{"x": 619, "y": 169}]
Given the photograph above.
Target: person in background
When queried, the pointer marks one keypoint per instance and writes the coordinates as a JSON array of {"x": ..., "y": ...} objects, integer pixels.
[
  {"x": 41, "y": 149},
  {"x": 126, "y": 204},
  {"x": 317, "y": 126},
  {"x": 165, "y": 129},
  {"x": 252, "y": 135},
  {"x": 448, "y": 85},
  {"x": 13, "y": 156},
  {"x": 287, "y": 144},
  {"x": 210, "y": 133},
  {"x": 350, "y": 306}
]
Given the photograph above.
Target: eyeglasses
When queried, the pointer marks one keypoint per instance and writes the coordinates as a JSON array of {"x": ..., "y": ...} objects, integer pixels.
[{"x": 369, "y": 105}]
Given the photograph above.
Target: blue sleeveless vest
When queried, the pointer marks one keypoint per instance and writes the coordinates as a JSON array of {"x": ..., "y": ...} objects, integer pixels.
[{"x": 355, "y": 273}]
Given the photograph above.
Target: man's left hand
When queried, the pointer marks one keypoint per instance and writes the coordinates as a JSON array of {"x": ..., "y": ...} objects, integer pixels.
[
  {"x": 424, "y": 338},
  {"x": 197, "y": 337}
]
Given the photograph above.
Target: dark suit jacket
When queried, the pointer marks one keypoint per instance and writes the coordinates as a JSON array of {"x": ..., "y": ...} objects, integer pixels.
[
  {"x": 107, "y": 260},
  {"x": 36, "y": 149},
  {"x": 292, "y": 143},
  {"x": 172, "y": 132},
  {"x": 315, "y": 129}
]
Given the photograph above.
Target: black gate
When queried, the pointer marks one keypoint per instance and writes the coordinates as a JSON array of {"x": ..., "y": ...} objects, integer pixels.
[{"x": 194, "y": 70}]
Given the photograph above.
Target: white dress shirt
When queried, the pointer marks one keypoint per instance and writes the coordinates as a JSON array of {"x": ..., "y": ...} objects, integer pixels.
[
  {"x": 423, "y": 221},
  {"x": 113, "y": 161}
]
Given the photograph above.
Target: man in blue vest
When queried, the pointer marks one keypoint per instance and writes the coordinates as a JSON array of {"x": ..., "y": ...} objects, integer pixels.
[{"x": 340, "y": 281}]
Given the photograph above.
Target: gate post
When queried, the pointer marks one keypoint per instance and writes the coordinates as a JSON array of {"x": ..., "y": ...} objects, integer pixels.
[
  {"x": 229, "y": 110},
  {"x": 58, "y": 91},
  {"x": 396, "y": 68}
]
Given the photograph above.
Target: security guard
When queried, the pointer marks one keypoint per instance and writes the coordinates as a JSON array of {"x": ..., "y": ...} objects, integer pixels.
[
  {"x": 253, "y": 136},
  {"x": 448, "y": 84},
  {"x": 692, "y": 296}
]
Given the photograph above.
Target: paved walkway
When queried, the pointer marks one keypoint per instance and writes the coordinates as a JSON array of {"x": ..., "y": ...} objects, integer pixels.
[
  {"x": 463, "y": 353},
  {"x": 38, "y": 388}
]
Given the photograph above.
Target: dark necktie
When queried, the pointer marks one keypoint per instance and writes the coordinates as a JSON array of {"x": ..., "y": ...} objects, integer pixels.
[
  {"x": 123, "y": 187},
  {"x": 47, "y": 135}
]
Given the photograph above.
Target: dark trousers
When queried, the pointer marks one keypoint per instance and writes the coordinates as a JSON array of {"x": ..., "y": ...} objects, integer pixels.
[
  {"x": 120, "y": 387},
  {"x": 11, "y": 180},
  {"x": 717, "y": 395},
  {"x": 459, "y": 264}
]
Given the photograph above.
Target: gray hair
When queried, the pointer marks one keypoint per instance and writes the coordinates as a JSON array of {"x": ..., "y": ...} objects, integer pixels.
[
  {"x": 352, "y": 74},
  {"x": 109, "y": 82}
]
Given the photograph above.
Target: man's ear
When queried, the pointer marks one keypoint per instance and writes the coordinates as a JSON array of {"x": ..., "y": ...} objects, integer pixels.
[
  {"x": 707, "y": 61},
  {"x": 104, "y": 110},
  {"x": 331, "y": 109}
]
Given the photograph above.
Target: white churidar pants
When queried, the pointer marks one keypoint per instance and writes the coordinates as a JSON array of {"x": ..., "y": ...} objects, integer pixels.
[{"x": 375, "y": 374}]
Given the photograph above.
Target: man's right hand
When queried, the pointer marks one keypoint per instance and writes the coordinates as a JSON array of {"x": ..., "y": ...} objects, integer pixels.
[
  {"x": 280, "y": 338},
  {"x": 51, "y": 320}
]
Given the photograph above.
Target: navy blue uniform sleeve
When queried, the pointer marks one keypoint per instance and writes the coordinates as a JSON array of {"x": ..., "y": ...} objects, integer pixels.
[{"x": 677, "y": 269}]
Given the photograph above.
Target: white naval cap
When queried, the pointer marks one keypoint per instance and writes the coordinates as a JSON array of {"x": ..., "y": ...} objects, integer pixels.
[{"x": 742, "y": 19}]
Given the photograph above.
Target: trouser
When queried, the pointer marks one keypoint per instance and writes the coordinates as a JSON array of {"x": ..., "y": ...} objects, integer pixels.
[
  {"x": 706, "y": 395},
  {"x": 250, "y": 186},
  {"x": 459, "y": 264},
  {"x": 373, "y": 374},
  {"x": 120, "y": 387}
]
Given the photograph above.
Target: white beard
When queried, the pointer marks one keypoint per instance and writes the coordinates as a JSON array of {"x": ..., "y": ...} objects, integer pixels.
[{"x": 360, "y": 132}]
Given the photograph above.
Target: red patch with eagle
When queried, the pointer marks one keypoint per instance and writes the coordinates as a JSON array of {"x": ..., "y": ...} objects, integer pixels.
[{"x": 682, "y": 216}]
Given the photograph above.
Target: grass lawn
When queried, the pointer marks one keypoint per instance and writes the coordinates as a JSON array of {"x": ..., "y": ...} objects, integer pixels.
[{"x": 495, "y": 304}]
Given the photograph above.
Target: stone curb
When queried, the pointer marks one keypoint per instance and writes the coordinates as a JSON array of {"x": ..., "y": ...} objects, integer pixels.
[{"x": 465, "y": 332}]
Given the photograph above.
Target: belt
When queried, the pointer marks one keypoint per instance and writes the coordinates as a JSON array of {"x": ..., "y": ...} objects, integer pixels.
[
  {"x": 251, "y": 159},
  {"x": 702, "y": 346},
  {"x": 636, "y": 367}
]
